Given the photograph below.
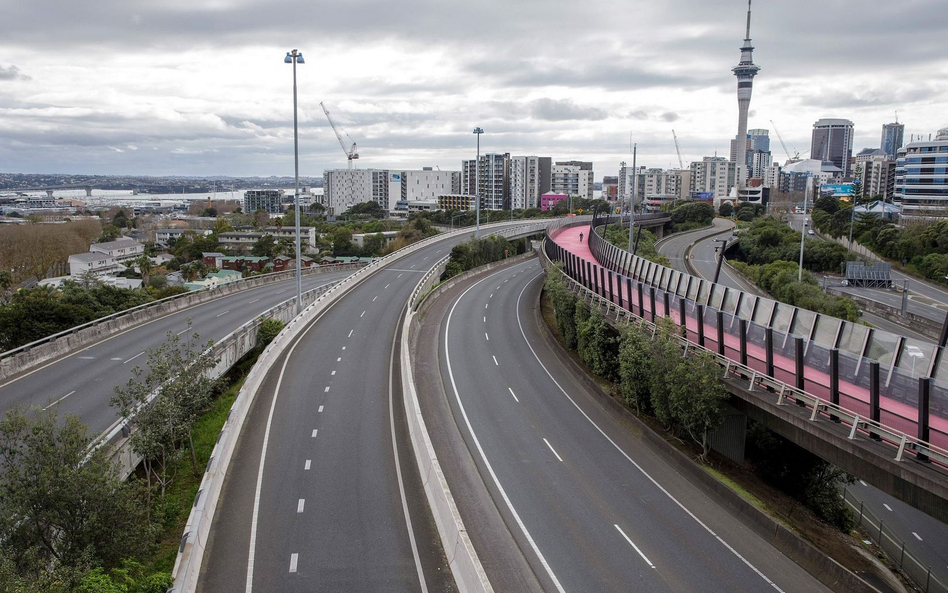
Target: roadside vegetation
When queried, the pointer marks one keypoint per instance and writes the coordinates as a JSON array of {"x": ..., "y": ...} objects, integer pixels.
[
  {"x": 687, "y": 215},
  {"x": 767, "y": 252},
  {"x": 477, "y": 252},
  {"x": 922, "y": 249},
  {"x": 68, "y": 523},
  {"x": 685, "y": 396}
]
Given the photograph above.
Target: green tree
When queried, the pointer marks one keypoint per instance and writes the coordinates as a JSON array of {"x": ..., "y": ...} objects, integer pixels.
[
  {"x": 269, "y": 329},
  {"x": 162, "y": 404},
  {"x": 635, "y": 368},
  {"x": 61, "y": 506},
  {"x": 666, "y": 354},
  {"x": 341, "y": 241},
  {"x": 564, "y": 307},
  {"x": 373, "y": 245},
  {"x": 697, "y": 397},
  {"x": 110, "y": 232},
  {"x": 144, "y": 268},
  {"x": 598, "y": 345},
  {"x": 726, "y": 209}
]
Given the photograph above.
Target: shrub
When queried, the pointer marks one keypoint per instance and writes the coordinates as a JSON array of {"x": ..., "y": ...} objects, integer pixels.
[{"x": 269, "y": 329}]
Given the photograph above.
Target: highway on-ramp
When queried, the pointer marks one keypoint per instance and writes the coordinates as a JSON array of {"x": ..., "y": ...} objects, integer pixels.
[
  {"x": 322, "y": 492},
  {"x": 597, "y": 509},
  {"x": 83, "y": 382}
]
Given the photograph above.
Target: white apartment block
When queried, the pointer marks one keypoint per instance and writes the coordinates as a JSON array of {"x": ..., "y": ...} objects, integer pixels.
[
  {"x": 344, "y": 188},
  {"x": 573, "y": 178},
  {"x": 524, "y": 181},
  {"x": 426, "y": 185},
  {"x": 878, "y": 173},
  {"x": 121, "y": 249},
  {"x": 715, "y": 175}
]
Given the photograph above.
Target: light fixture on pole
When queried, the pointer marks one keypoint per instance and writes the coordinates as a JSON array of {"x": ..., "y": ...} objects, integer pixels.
[
  {"x": 477, "y": 182},
  {"x": 635, "y": 179},
  {"x": 295, "y": 57},
  {"x": 803, "y": 227}
]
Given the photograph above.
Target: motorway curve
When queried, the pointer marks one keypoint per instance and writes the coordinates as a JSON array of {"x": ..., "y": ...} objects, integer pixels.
[
  {"x": 83, "y": 382},
  {"x": 598, "y": 510}
]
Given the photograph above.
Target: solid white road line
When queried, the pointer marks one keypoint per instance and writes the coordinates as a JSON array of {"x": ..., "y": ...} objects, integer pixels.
[
  {"x": 320, "y": 409},
  {"x": 299, "y": 505},
  {"x": 115, "y": 358},
  {"x": 495, "y": 360},
  {"x": 917, "y": 536},
  {"x": 632, "y": 543},
  {"x": 514, "y": 395},
  {"x": 92, "y": 358},
  {"x": 224, "y": 313},
  {"x": 309, "y": 463},
  {"x": 887, "y": 507},
  {"x": 398, "y": 466},
  {"x": 58, "y": 400},
  {"x": 480, "y": 450},
  {"x": 626, "y": 455},
  {"x": 315, "y": 430},
  {"x": 294, "y": 559},
  {"x": 552, "y": 449},
  {"x": 133, "y": 358}
]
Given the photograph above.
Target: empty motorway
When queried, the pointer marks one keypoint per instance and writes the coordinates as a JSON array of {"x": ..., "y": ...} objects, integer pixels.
[{"x": 83, "y": 382}]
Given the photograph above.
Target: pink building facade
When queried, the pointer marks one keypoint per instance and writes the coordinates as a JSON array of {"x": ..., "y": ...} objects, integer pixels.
[{"x": 549, "y": 200}]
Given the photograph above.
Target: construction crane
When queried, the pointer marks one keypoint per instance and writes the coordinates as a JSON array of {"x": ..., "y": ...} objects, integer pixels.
[
  {"x": 351, "y": 153},
  {"x": 796, "y": 156},
  {"x": 681, "y": 164}
]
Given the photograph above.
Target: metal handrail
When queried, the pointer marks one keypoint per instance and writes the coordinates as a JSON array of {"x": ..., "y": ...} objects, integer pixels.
[{"x": 859, "y": 423}]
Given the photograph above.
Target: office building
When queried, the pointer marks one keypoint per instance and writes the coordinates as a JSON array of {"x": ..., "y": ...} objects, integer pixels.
[
  {"x": 745, "y": 72},
  {"x": 893, "y": 136},
  {"x": 456, "y": 202},
  {"x": 833, "y": 141},
  {"x": 268, "y": 200},
  {"x": 573, "y": 178},
  {"x": 921, "y": 178}
]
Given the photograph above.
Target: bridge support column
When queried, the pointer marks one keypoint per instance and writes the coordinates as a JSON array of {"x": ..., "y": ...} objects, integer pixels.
[
  {"x": 924, "y": 402},
  {"x": 720, "y": 321},
  {"x": 612, "y": 297},
  {"x": 602, "y": 281},
  {"x": 875, "y": 412},
  {"x": 89, "y": 192},
  {"x": 769, "y": 342},
  {"x": 681, "y": 315},
  {"x": 834, "y": 380},
  {"x": 666, "y": 303},
  {"x": 743, "y": 331},
  {"x": 628, "y": 292},
  {"x": 659, "y": 231},
  {"x": 699, "y": 312}
]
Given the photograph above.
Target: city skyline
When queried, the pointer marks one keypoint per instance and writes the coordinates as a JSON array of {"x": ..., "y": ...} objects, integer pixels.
[{"x": 108, "y": 88}]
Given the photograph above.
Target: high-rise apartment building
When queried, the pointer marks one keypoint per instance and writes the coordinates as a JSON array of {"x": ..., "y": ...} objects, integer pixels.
[
  {"x": 268, "y": 200},
  {"x": 893, "y": 135},
  {"x": 713, "y": 175},
  {"x": 573, "y": 178},
  {"x": 344, "y": 188},
  {"x": 876, "y": 171},
  {"x": 921, "y": 178},
  {"x": 424, "y": 185},
  {"x": 468, "y": 175},
  {"x": 524, "y": 179},
  {"x": 833, "y": 141}
]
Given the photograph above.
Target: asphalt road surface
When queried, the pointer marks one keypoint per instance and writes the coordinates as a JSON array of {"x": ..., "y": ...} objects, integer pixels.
[
  {"x": 599, "y": 510},
  {"x": 83, "y": 382},
  {"x": 323, "y": 493}
]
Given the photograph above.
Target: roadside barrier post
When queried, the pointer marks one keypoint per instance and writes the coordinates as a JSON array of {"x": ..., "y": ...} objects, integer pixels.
[
  {"x": 875, "y": 412},
  {"x": 834, "y": 380},
  {"x": 720, "y": 322},
  {"x": 924, "y": 402}
]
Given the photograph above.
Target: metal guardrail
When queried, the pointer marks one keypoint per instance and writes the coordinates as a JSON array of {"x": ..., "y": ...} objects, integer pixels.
[
  {"x": 190, "y": 556},
  {"x": 859, "y": 424},
  {"x": 896, "y": 549}
]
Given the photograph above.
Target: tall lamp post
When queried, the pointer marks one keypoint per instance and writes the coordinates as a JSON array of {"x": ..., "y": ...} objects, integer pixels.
[
  {"x": 295, "y": 57},
  {"x": 477, "y": 182},
  {"x": 635, "y": 180}
]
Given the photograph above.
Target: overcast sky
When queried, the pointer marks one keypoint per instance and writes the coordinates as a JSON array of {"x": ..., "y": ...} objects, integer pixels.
[{"x": 199, "y": 87}]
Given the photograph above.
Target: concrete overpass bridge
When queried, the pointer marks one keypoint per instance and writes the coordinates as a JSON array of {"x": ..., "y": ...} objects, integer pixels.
[{"x": 871, "y": 402}]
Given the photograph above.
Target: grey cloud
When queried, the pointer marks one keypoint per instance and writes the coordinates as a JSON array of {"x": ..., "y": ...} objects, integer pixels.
[
  {"x": 561, "y": 110},
  {"x": 638, "y": 114},
  {"x": 670, "y": 116},
  {"x": 12, "y": 73}
]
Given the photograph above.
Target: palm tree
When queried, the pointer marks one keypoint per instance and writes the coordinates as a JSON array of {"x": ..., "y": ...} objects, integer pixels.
[{"x": 144, "y": 268}]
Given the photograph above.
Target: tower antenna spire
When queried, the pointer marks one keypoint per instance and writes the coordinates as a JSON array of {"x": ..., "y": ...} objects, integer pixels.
[{"x": 748, "y": 34}]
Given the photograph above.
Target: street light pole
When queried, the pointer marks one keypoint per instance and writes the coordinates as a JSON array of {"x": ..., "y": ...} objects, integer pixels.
[
  {"x": 635, "y": 179},
  {"x": 295, "y": 57},
  {"x": 477, "y": 182},
  {"x": 806, "y": 194}
]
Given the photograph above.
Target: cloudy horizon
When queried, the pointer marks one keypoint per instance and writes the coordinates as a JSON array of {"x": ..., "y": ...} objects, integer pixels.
[{"x": 200, "y": 88}]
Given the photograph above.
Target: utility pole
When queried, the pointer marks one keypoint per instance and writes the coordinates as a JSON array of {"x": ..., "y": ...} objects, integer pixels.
[
  {"x": 477, "y": 182},
  {"x": 294, "y": 57},
  {"x": 635, "y": 180},
  {"x": 717, "y": 270},
  {"x": 806, "y": 194}
]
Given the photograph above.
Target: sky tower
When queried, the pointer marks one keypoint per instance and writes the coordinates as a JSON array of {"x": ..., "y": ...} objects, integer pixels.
[{"x": 745, "y": 73}]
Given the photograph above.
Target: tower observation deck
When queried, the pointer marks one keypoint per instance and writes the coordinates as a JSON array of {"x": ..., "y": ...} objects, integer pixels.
[{"x": 745, "y": 72}]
